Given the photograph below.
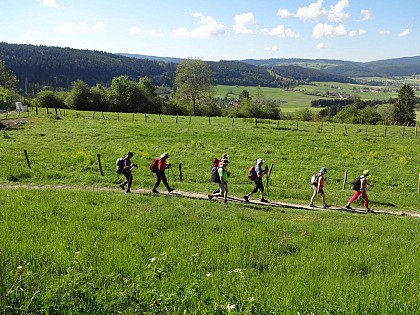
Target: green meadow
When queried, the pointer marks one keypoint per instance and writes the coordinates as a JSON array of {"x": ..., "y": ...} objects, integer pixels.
[{"x": 96, "y": 251}]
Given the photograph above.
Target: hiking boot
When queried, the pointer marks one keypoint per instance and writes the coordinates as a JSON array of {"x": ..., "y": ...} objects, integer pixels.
[
  {"x": 128, "y": 191},
  {"x": 155, "y": 191},
  {"x": 312, "y": 205},
  {"x": 170, "y": 189},
  {"x": 325, "y": 206},
  {"x": 246, "y": 198},
  {"x": 368, "y": 210},
  {"x": 348, "y": 207},
  {"x": 225, "y": 201},
  {"x": 210, "y": 197},
  {"x": 264, "y": 200},
  {"x": 122, "y": 186}
]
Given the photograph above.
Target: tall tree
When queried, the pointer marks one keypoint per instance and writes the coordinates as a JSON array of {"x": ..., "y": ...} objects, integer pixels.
[
  {"x": 194, "y": 81},
  {"x": 79, "y": 96},
  {"x": 7, "y": 78},
  {"x": 404, "y": 109}
]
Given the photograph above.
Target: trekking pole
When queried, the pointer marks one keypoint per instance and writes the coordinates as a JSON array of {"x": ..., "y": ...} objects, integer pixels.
[
  {"x": 172, "y": 171},
  {"x": 268, "y": 177}
]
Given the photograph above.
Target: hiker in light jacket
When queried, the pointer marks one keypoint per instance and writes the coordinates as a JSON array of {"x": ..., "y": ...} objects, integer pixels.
[{"x": 318, "y": 187}]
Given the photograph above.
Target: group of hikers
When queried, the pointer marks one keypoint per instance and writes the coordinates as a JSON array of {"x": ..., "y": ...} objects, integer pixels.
[
  {"x": 158, "y": 166},
  {"x": 220, "y": 175}
]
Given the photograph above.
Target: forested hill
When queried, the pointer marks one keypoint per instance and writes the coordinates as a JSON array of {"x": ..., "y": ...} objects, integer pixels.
[
  {"x": 39, "y": 66},
  {"x": 381, "y": 68}
]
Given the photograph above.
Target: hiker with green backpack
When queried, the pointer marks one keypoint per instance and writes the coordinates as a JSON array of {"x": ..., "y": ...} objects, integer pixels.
[
  {"x": 317, "y": 182},
  {"x": 359, "y": 186},
  {"x": 256, "y": 174}
]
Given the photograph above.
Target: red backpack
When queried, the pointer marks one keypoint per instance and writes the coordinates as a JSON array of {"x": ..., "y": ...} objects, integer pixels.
[
  {"x": 252, "y": 174},
  {"x": 154, "y": 165}
]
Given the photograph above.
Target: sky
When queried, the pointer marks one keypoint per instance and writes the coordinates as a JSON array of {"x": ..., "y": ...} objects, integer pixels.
[{"x": 213, "y": 30}]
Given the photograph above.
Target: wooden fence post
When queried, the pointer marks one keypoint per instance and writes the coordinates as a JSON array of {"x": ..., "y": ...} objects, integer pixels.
[
  {"x": 27, "y": 159},
  {"x": 233, "y": 121},
  {"x": 386, "y": 128},
  {"x": 160, "y": 118},
  {"x": 345, "y": 128},
  {"x": 100, "y": 164},
  {"x": 256, "y": 122},
  {"x": 344, "y": 180},
  {"x": 418, "y": 187},
  {"x": 403, "y": 131},
  {"x": 177, "y": 118},
  {"x": 180, "y": 171},
  {"x": 209, "y": 121}
]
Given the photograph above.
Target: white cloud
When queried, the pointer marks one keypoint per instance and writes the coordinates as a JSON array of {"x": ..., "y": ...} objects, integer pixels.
[
  {"x": 155, "y": 33},
  {"x": 280, "y": 31},
  {"x": 274, "y": 48},
  {"x": 366, "y": 15},
  {"x": 384, "y": 32},
  {"x": 312, "y": 12},
  {"x": 405, "y": 32},
  {"x": 80, "y": 27},
  {"x": 208, "y": 28},
  {"x": 320, "y": 46},
  {"x": 134, "y": 30},
  {"x": 284, "y": 13},
  {"x": 336, "y": 12},
  {"x": 327, "y": 30},
  {"x": 242, "y": 21},
  {"x": 360, "y": 32},
  {"x": 99, "y": 27},
  {"x": 50, "y": 3}
]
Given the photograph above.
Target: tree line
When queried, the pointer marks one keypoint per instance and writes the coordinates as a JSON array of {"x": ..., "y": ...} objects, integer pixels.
[{"x": 193, "y": 94}]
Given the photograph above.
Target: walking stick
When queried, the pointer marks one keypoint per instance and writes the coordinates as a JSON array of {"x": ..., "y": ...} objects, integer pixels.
[{"x": 268, "y": 177}]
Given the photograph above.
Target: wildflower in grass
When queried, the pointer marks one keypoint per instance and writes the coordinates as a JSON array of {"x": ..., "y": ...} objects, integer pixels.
[
  {"x": 237, "y": 270},
  {"x": 208, "y": 274},
  {"x": 251, "y": 299},
  {"x": 231, "y": 307},
  {"x": 152, "y": 259}
]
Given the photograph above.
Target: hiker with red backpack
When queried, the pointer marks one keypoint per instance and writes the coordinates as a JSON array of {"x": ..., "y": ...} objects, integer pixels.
[
  {"x": 256, "y": 174},
  {"x": 317, "y": 182},
  {"x": 158, "y": 167},
  {"x": 359, "y": 186}
]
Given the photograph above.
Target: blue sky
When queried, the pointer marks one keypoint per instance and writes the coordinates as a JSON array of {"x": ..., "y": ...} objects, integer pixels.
[{"x": 215, "y": 30}]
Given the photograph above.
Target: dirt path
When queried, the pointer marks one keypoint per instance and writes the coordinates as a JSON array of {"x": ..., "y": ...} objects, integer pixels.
[{"x": 193, "y": 195}]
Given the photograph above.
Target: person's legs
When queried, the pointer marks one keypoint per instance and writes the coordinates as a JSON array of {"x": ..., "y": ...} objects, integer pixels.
[
  {"x": 165, "y": 182},
  {"x": 311, "y": 203},
  {"x": 246, "y": 197},
  {"x": 365, "y": 199},
  {"x": 353, "y": 198},
  {"x": 158, "y": 180},
  {"x": 128, "y": 180}
]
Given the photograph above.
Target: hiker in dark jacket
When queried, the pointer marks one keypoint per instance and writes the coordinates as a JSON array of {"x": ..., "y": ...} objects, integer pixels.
[
  {"x": 258, "y": 182},
  {"x": 126, "y": 171}
]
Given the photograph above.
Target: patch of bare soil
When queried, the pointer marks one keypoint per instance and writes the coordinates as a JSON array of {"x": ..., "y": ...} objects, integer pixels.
[{"x": 9, "y": 124}]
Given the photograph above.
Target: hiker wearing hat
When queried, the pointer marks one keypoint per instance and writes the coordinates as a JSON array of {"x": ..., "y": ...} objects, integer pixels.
[
  {"x": 126, "y": 171},
  {"x": 360, "y": 186},
  {"x": 160, "y": 172},
  {"x": 223, "y": 184},
  {"x": 318, "y": 181},
  {"x": 258, "y": 181}
]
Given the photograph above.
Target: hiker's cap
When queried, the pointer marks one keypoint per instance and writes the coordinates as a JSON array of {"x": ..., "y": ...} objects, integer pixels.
[
  {"x": 165, "y": 155},
  {"x": 130, "y": 153},
  {"x": 260, "y": 161},
  {"x": 225, "y": 156},
  {"x": 323, "y": 170},
  {"x": 366, "y": 172}
]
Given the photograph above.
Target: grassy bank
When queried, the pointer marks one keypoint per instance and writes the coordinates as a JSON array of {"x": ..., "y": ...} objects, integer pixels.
[{"x": 63, "y": 150}]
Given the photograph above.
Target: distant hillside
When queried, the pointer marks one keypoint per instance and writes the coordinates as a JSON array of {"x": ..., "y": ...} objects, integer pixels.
[
  {"x": 382, "y": 68},
  {"x": 39, "y": 66}
]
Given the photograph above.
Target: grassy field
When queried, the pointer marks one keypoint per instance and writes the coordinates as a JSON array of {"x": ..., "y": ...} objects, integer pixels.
[
  {"x": 102, "y": 252},
  {"x": 302, "y": 96},
  {"x": 87, "y": 252}
]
